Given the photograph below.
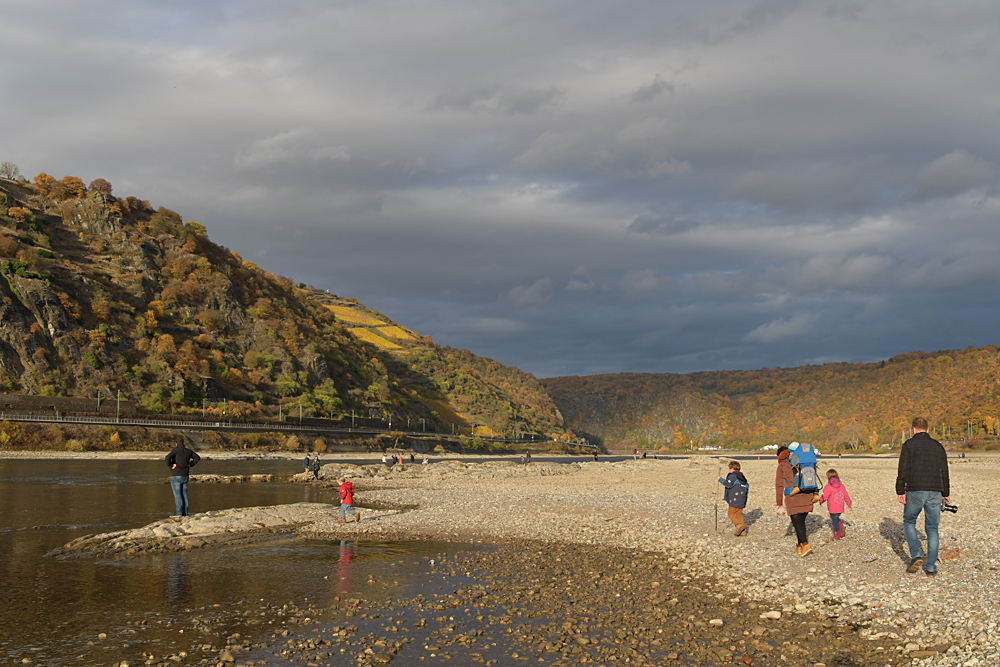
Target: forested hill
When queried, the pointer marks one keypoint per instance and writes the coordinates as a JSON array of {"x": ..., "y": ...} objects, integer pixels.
[
  {"x": 101, "y": 293},
  {"x": 833, "y": 405}
]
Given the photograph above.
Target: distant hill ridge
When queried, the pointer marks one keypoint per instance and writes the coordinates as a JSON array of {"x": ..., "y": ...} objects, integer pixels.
[
  {"x": 833, "y": 405},
  {"x": 101, "y": 293}
]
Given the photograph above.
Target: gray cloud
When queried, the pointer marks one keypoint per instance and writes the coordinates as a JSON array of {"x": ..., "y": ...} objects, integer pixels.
[
  {"x": 955, "y": 173},
  {"x": 496, "y": 99},
  {"x": 567, "y": 187},
  {"x": 650, "y": 92}
]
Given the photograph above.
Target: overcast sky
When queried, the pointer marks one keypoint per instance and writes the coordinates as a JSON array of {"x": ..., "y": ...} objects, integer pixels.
[{"x": 569, "y": 187}]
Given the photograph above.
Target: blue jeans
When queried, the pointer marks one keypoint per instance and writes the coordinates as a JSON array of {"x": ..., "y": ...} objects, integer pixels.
[
  {"x": 180, "y": 489},
  {"x": 930, "y": 503},
  {"x": 835, "y": 521},
  {"x": 345, "y": 510}
]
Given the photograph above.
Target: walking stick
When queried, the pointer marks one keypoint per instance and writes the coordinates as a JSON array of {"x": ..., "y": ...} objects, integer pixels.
[{"x": 717, "y": 500}]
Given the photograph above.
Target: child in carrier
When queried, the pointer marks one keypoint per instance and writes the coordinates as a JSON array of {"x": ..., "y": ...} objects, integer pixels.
[
  {"x": 737, "y": 489},
  {"x": 836, "y": 493}
]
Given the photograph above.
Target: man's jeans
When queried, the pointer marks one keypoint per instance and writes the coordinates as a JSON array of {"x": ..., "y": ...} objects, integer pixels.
[
  {"x": 180, "y": 488},
  {"x": 930, "y": 503}
]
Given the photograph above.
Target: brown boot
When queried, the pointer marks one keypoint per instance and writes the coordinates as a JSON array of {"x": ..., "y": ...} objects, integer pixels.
[
  {"x": 798, "y": 549},
  {"x": 806, "y": 550},
  {"x": 342, "y": 521}
]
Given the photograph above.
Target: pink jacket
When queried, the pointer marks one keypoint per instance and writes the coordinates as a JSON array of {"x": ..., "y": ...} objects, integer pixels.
[{"x": 837, "y": 494}]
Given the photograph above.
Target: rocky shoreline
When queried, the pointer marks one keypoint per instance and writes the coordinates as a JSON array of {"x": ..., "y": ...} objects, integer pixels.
[{"x": 665, "y": 510}]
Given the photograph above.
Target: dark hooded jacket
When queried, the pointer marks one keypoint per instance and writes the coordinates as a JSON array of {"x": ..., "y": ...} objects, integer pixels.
[
  {"x": 923, "y": 466},
  {"x": 181, "y": 460}
]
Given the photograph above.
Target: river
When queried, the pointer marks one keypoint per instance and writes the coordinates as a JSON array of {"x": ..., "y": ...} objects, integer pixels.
[{"x": 90, "y": 611}]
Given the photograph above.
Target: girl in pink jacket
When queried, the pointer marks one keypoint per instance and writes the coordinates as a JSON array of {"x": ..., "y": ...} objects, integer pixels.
[{"x": 836, "y": 493}]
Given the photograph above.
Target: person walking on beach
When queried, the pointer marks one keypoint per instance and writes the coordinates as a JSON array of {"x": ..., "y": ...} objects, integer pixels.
[
  {"x": 922, "y": 484},
  {"x": 347, "y": 501},
  {"x": 305, "y": 466},
  {"x": 737, "y": 490},
  {"x": 796, "y": 506},
  {"x": 527, "y": 456},
  {"x": 836, "y": 493},
  {"x": 181, "y": 460},
  {"x": 314, "y": 467}
]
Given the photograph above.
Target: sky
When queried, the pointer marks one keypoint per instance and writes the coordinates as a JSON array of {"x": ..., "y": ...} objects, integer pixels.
[{"x": 568, "y": 187}]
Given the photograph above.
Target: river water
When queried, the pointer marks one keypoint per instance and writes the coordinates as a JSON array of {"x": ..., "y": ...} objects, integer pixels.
[{"x": 88, "y": 611}]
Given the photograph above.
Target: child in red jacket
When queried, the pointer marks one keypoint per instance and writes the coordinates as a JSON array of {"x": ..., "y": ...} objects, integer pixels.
[
  {"x": 347, "y": 500},
  {"x": 836, "y": 493}
]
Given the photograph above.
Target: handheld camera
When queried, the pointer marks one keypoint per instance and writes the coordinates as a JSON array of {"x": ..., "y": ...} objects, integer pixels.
[{"x": 948, "y": 507}]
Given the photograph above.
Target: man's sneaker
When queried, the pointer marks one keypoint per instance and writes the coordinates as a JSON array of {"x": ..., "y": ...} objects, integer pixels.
[
  {"x": 357, "y": 517},
  {"x": 741, "y": 531},
  {"x": 806, "y": 550},
  {"x": 915, "y": 565},
  {"x": 931, "y": 574}
]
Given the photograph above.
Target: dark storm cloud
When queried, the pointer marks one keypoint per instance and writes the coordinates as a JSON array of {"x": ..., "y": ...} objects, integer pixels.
[{"x": 570, "y": 187}]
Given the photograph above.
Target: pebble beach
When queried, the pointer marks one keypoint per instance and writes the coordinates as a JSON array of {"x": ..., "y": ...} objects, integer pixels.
[{"x": 658, "y": 516}]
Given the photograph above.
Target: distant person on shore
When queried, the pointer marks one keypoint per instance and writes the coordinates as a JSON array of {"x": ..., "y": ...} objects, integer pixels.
[
  {"x": 412, "y": 459},
  {"x": 384, "y": 461},
  {"x": 796, "y": 506},
  {"x": 181, "y": 460},
  {"x": 527, "y": 456},
  {"x": 737, "y": 491},
  {"x": 305, "y": 466},
  {"x": 314, "y": 467},
  {"x": 595, "y": 456},
  {"x": 837, "y": 495},
  {"x": 347, "y": 501},
  {"x": 922, "y": 484},
  {"x": 425, "y": 461}
]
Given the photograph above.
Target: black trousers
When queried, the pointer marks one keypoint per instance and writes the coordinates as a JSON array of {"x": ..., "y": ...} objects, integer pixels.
[{"x": 799, "y": 523}]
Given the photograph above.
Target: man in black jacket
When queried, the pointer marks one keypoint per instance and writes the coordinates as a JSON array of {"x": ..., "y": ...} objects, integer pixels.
[
  {"x": 181, "y": 460},
  {"x": 922, "y": 484}
]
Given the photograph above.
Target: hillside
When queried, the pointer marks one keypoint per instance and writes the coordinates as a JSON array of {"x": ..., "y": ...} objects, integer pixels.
[
  {"x": 106, "y": 294},
  {"x": 833, "y": 405}
]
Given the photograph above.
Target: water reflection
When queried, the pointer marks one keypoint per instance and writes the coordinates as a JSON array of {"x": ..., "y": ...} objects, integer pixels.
[
  {"x": 177, "y": 578},
  {"x": 56, "y": 610},
  {"x": 344, "y": 566}
]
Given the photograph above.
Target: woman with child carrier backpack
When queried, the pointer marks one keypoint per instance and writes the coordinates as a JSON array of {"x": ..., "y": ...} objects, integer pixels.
[{"x": 796, "y": 505}]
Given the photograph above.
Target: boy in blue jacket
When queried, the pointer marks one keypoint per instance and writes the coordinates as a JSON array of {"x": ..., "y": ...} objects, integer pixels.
[{"x": 737, "y": 489}]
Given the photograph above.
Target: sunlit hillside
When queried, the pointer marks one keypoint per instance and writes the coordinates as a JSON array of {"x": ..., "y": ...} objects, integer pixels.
[{"x": 106, "y": 294}]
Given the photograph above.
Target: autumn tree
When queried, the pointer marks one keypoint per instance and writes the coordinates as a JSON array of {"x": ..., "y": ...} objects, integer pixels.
[
  {"x": 68, "y": 187},
  {"x": 9, "y": 171},
  {"x": 100, "y": 185},
  {"x": 44, "y": 183}
]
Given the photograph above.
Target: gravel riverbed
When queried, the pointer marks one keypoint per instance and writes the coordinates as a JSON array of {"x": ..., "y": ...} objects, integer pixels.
[
  {"x": 851, "y": 602},
  {"x": 668, "y": 507}
]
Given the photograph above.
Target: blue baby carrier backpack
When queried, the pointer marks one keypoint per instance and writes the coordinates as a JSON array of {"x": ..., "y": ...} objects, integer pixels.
[{"x": 803, "y": 462}]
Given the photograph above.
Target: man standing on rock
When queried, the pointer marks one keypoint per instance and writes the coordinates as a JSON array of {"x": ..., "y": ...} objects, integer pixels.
[
  {"x": 181, "y": 460},
  {"x": 922, "y": 483}
]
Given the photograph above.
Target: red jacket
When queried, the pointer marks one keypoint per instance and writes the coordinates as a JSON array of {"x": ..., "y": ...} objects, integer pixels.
[{"x": 346, "y": 493}]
